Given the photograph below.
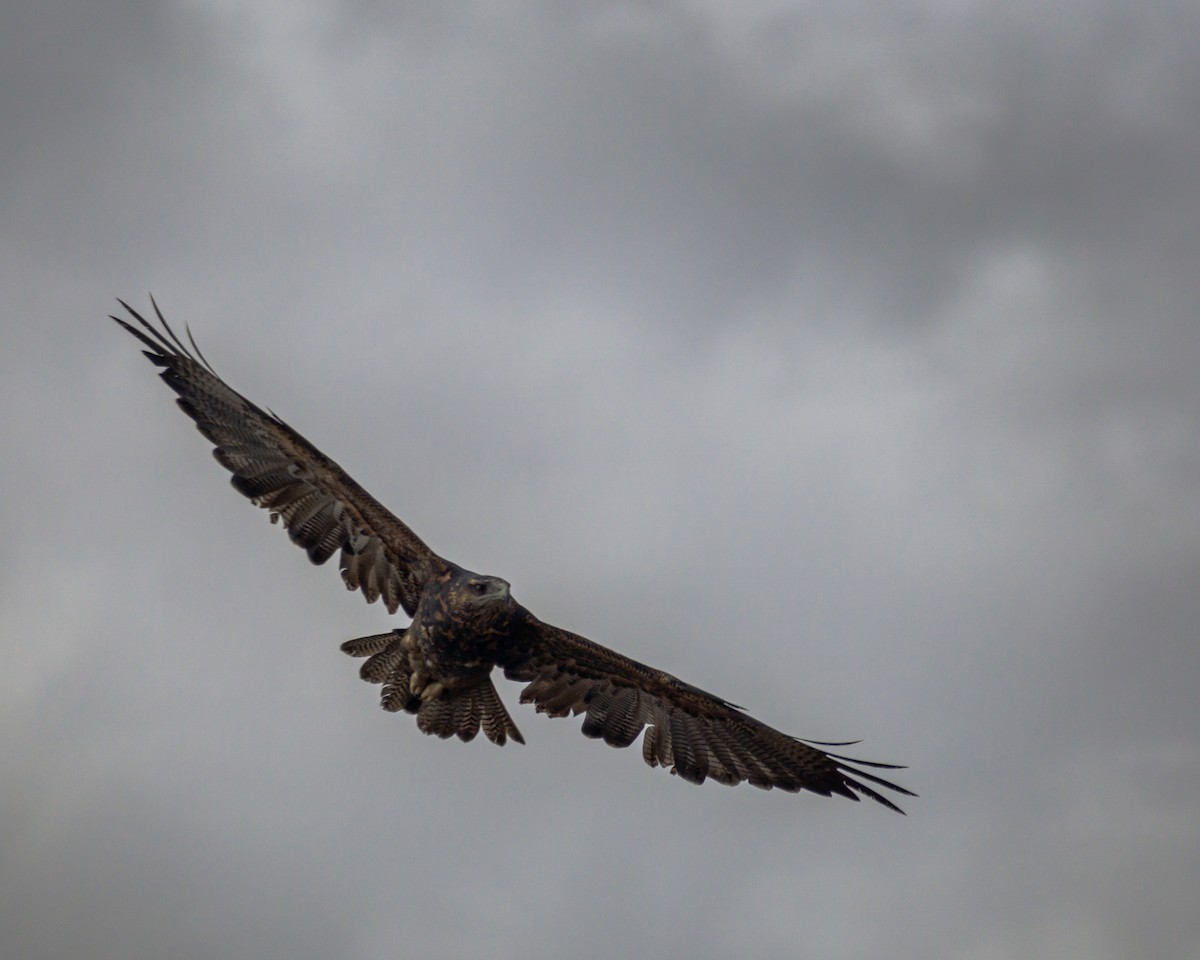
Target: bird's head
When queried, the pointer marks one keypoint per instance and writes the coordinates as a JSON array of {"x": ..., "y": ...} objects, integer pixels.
[{"x": 476, "y": 595}]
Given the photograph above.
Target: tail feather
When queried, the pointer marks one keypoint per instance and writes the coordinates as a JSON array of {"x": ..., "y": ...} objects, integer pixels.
[
  {"x": 459, "y": 712},
  {"x": 462, "y": 712}
]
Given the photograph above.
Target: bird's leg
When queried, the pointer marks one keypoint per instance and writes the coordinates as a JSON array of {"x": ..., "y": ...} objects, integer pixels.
[{"x": 420, "y": 683}]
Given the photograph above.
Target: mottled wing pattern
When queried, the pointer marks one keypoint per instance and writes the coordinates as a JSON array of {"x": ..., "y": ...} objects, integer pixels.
[
  {"x": 697, "y": 735},
  {"x": 323, "y": 509}
]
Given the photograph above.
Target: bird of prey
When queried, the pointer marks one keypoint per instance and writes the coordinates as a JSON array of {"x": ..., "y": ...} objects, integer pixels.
[{"x": 466, "y": 624}]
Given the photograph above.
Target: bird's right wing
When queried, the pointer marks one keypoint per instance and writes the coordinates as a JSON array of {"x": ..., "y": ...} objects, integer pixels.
[
  {"x": 322, "y": 507},
  {"x": 694, "y": 733}
]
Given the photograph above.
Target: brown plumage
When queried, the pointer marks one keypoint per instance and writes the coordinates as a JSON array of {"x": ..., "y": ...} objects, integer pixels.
[{"x": 465, "y": 624}]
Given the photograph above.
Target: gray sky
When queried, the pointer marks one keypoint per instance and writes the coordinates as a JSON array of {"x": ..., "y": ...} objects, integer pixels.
[{"x": 840, "y": 359}]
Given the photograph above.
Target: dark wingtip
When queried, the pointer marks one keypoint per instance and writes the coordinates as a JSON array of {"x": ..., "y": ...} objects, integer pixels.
[
  {"x": 150, "y": 335},
  {"x": 857, "y": 784}
]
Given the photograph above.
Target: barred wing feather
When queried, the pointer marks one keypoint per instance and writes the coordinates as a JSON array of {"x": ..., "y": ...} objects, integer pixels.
[
  {"x": 323, "y": 509},
  {"x": 695, "y": 734}
]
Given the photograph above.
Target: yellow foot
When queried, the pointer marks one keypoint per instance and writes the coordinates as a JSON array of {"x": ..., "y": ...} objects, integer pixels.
[{"x": 432, "y": 691}]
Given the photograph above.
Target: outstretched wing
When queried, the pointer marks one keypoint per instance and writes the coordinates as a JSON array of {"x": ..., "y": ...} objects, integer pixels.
[
  {"x": 323, "y": 509},
  {"x": 696, "y": 734}
]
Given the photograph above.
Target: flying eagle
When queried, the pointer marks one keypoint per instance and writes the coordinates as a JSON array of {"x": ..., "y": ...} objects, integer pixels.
[{"x": 464, "y": 624}]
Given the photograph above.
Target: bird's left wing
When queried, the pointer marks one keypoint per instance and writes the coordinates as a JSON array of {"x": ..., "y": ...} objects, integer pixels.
[
  {"x": 324, "y": 510},
  {"x": 694, "y": 733}
]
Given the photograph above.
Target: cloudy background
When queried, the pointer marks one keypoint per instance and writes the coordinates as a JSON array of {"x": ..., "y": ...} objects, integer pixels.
[{"x": 841, "y": 359}]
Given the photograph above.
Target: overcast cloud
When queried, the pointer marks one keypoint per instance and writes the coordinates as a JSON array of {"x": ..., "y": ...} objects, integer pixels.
[{"x": 840, "y": 359}]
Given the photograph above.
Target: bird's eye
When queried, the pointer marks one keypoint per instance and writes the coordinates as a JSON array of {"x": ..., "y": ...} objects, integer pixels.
[{"x": 479, "y": 587}]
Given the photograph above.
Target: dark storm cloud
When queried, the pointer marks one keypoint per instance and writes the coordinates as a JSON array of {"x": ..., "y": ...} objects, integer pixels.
[{"x": 841, "y": 362}]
